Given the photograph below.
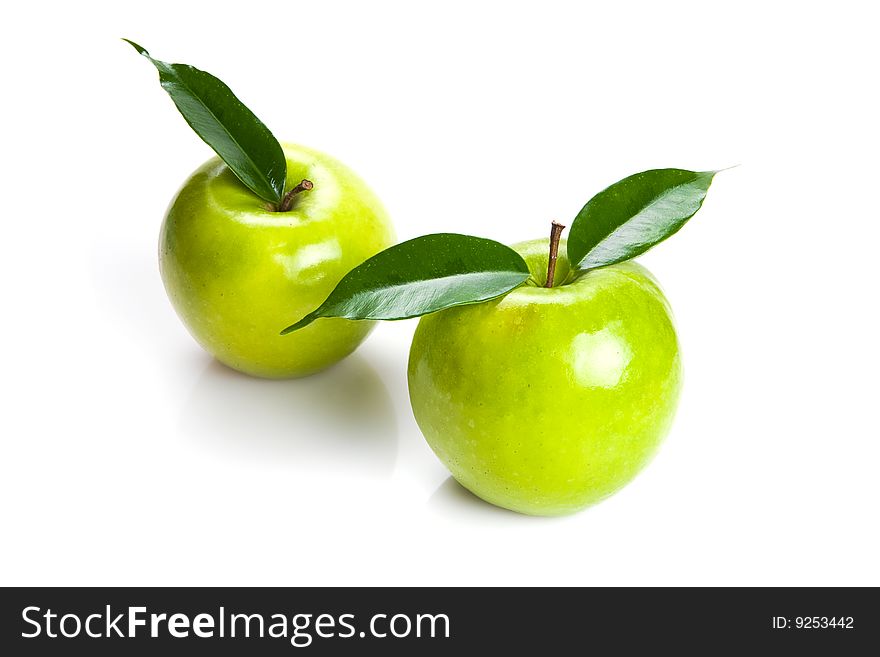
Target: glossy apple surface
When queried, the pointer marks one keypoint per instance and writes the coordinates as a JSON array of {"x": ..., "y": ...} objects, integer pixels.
[
  {"x": 237, "y": 273},
  {"x": 548, "y": 400}
]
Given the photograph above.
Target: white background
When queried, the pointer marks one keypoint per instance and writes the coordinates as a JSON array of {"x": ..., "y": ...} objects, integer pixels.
[{"x": 129, "y": 457}]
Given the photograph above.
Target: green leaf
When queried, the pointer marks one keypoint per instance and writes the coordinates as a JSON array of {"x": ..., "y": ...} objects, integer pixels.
[
  {"x": 634, "y": 214},
  {"x": 226, "y": 125},
  {"x": 422, "y": 276}
]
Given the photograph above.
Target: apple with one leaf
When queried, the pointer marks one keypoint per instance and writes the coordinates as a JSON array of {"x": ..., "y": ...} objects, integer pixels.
[
  {"x": 261, "y": 233},
  {"x": 544, "y": 380}
]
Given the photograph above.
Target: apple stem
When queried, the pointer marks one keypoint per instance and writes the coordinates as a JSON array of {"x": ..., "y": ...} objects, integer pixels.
[
  {"x": 287, "y": 201},
  {"x": 555, "y": 231}
]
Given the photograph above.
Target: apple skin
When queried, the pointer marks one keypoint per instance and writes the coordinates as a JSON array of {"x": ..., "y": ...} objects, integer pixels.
[
  {"x": 546, "y": 401},
  {"x": 237, "y": 273}
]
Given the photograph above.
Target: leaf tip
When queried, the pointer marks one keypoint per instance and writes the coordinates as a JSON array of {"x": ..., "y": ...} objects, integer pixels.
[
  {"x": 305, "y": 321},
  {"x": 717, "y": 171},
  {"x": 140, "y": 49}
]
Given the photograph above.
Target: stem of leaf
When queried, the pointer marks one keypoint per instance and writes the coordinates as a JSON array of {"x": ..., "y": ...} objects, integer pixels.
[
  {"x": 287, "y": 201},
  {"x": 555, "y": 232}
]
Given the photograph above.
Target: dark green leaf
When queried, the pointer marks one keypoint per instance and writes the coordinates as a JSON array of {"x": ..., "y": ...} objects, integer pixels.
[
  {"x": 231, "y": 129},
  {"x": 634, "y": 214},
  {"x": 421, "y": 276}
]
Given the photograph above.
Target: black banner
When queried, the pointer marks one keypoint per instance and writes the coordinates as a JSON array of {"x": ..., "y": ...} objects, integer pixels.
[{"x": 408, "y": 621}]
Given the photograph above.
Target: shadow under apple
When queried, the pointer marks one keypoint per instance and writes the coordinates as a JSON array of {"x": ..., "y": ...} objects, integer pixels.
[
  {"x": 339, "y": 420},
  {"x": 454, "y": 499}
]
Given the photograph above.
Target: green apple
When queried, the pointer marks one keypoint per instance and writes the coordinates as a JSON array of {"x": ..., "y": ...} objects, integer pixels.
[
  {"x": 236, "y": 270},
  {"x": 548, "y": 400},
  {"x": 544, "y": 381}
]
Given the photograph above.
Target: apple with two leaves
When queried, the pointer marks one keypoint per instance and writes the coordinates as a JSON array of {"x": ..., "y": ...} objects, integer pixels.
[{"x": 544, "y": 381}]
